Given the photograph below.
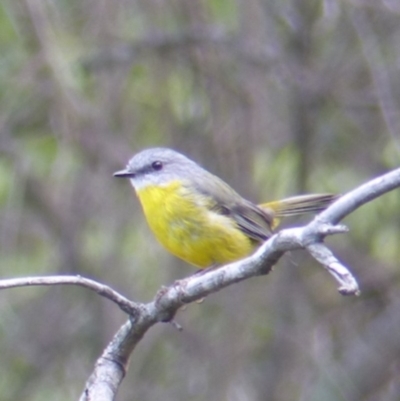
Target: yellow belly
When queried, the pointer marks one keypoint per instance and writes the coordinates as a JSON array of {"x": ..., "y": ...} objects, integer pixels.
[{"x": 189, "y": 230}]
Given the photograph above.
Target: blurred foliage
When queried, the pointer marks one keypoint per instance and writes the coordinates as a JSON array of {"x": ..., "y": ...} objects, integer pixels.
[{"x": 276, "y": 97}]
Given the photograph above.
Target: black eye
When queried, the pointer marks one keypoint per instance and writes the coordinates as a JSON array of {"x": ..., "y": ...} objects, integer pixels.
[{"x": 157, "y": 165}]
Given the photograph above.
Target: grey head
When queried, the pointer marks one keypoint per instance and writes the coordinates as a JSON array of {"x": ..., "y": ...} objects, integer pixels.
[{"x": 157, "y": 166}]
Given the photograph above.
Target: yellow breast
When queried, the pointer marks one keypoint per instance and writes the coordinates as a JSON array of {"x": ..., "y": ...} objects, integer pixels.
[{"x": 184, "y": 224}]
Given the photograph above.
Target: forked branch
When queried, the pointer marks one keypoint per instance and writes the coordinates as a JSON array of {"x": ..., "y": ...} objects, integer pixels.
[{"x": 111, "y": 367}]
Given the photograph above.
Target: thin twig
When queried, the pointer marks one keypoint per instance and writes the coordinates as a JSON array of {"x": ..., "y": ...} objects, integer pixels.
[
  {"x": 348, "y": 284},
  {"x": 132, "y": 308}
]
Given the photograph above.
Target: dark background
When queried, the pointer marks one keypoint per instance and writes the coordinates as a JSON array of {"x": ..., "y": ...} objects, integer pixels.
[{"x": 276, "y": 97}]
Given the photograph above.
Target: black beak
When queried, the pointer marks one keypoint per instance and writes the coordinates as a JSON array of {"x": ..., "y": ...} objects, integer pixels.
[{"x": 124, "y": 173}]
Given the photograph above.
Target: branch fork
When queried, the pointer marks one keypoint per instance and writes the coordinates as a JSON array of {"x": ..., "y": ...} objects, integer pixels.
[{"x": 111, "y": 367}]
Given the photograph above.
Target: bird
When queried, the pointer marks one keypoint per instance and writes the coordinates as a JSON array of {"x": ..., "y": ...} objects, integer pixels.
[{"x": 198, "y": 217}]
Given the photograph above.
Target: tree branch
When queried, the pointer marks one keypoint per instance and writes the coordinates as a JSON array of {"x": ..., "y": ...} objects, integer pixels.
[
  {"x": 111, "y": 367},
  {"x": 124, "y": 303},
  {"x": 351, "y": 201},
  {"x": 107, "y": 376}
]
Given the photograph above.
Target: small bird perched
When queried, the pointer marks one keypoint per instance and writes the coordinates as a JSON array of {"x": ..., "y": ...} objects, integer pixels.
[{"x": 197, "y": 216}]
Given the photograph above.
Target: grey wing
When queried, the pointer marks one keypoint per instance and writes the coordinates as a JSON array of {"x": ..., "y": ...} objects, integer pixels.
[{"x": 252, "y": 220}]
